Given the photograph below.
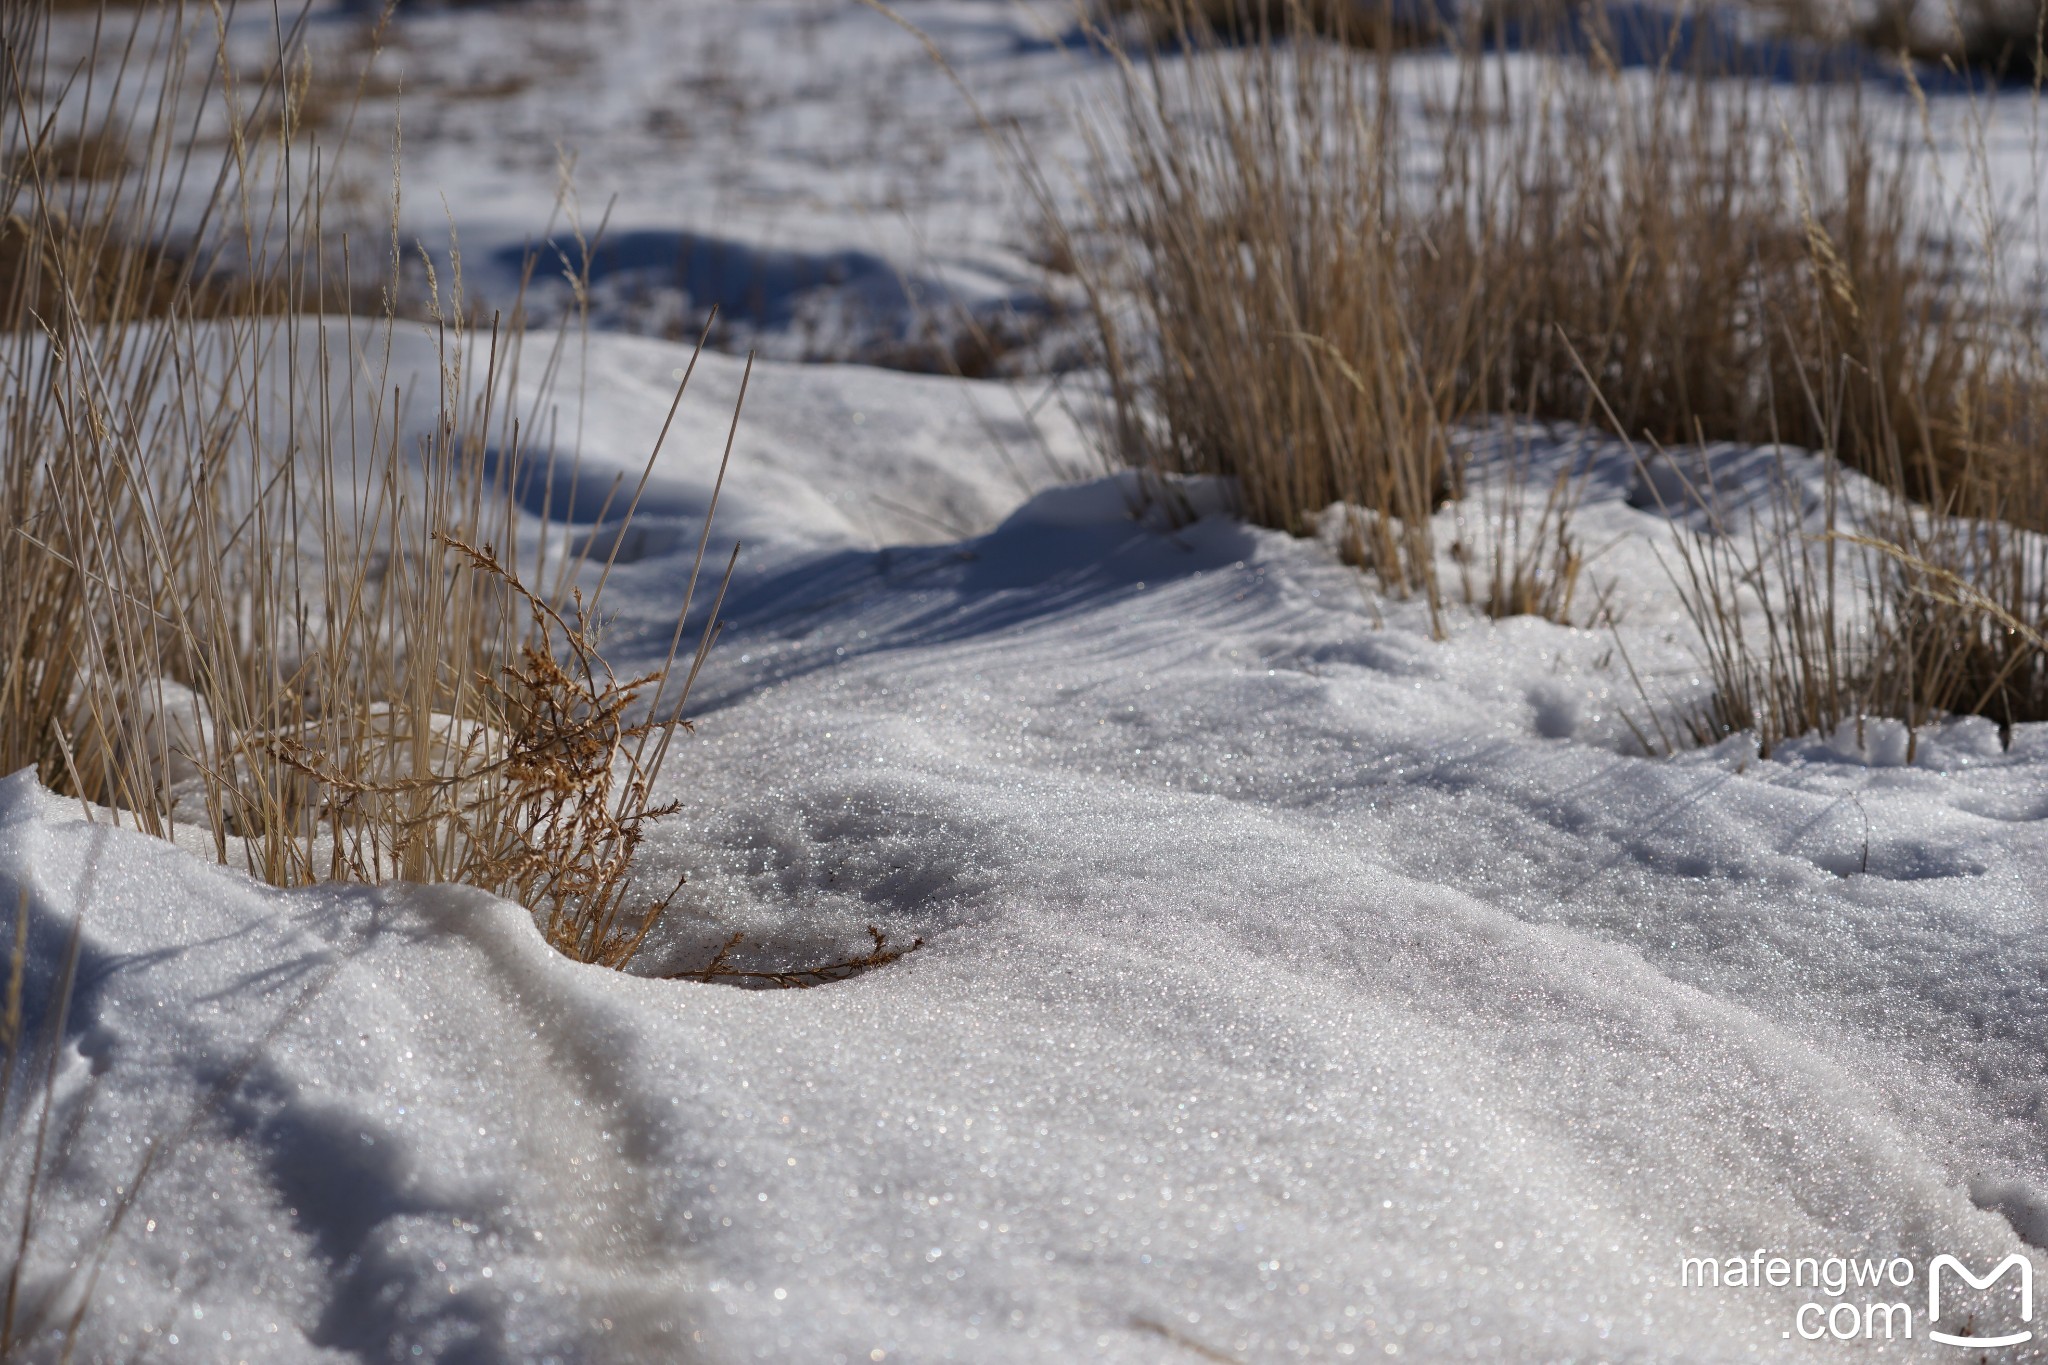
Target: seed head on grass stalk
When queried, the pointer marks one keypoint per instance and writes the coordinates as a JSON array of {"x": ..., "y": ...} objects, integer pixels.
[{"x": 546, "y": 801}]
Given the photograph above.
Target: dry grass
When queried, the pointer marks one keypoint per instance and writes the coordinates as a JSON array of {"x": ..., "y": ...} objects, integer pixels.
[
  {"x": 1381, "y": 25},
  {"x": 541, "y": 793},
  {"x": 244, "y": 600},
  {"x": 1251, "y": 305},
  {"x": 720, "y": 967},
  {"x": 1813, "y": 618},
  {"x": 1534, "y": 564},
  {"x": 1313, "y": 279},
  {"x": 100, "y": 154},
  {"x": 1998, "y": 39}
]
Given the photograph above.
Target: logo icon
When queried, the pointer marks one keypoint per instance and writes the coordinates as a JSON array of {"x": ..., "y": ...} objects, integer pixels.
[{"x": 1942, "y": 1263}]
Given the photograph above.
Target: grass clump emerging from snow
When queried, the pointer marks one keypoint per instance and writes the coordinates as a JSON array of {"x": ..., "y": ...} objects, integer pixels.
[
  {"x": 1310, "y": 266},
  {"x": 252, "y": 597}
]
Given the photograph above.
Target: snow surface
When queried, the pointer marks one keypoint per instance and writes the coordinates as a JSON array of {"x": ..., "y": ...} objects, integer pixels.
[{"x": 1296, "y": 985}]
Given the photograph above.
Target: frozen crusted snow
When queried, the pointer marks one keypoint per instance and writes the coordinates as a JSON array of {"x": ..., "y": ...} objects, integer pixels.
[{"x": 1295, "y": 986}]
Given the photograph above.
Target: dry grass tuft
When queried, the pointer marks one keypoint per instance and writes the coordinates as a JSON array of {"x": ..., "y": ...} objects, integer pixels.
[
  {"x": 1312, "y": 270},
  {"x": 542, "y": 798},
  {"x": 1810, "y": 619},
  {"x": 246, "y": 599},
  {"x": 1535, "y": 565},
  {"x": 1251, "y": 303}
]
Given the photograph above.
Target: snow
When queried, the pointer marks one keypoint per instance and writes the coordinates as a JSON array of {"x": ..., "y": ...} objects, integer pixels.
[
  {"x": 1295, "y": 984},
  {"x": 1290, "y": 986}
]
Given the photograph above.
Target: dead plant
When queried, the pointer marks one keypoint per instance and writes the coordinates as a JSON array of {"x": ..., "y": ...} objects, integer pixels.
[
  {"x": 1380, "y": 25},
  {"x": 244, "y": 596},
  {"x": 1299, "y": 283},
  {"x": 542, "y": 798},
  {"x": 720, "y": 967},
  {"x": 1810, "y": 618},
  {"x": 1250, "y": 303}
]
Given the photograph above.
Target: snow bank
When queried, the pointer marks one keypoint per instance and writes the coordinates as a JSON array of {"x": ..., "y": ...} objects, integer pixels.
[{"x": 1294, "y": 986}]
